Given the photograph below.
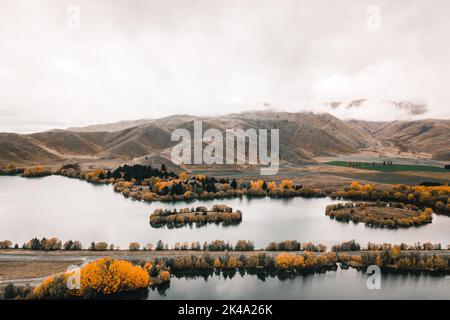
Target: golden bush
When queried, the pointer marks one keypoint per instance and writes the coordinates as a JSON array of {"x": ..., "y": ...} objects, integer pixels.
[
  {"x": 106, "y": 276},
  {"x": 286, "y": 184},
  {"x": 98, "y": 278}
]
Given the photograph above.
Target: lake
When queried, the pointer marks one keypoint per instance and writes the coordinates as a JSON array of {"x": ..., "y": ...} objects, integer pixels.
[
  {"x": 66, "y": 208},
  {"x": 340, "y": 284}
]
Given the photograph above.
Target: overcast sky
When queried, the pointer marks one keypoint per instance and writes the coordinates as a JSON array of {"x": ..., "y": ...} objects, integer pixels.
[{"x": 147, "y": 59}]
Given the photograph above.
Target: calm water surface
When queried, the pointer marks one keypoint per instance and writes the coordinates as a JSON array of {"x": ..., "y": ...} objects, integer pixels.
[
  {"x": 73, "y": 209},
  {"x": 66, "y": 208},
  {"x": 340, "y": 284}
]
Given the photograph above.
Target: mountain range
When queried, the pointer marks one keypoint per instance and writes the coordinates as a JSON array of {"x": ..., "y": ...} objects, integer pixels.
[{"x": 303, "y": 137}]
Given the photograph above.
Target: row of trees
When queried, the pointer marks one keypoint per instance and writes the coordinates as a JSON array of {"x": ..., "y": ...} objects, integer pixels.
[
  {"x": 306, "y": 261},
  {"x": 173, "y": 218},
  {"x": 140, "y": 172},
  {"x": 395, "y": 258},
  {"x": 56, "y": 244},
  {"x": 150, "y": 184},
  {"x": 436, "y": 197},
  {"x": 217, "y": 245},
  {"x": 36, "y": 172},
  {"x": 352, "y": 245},
  {"x": 282, "y": 261},
  {"x": 362, "y": 164},
  {"x": 10, "y": 169},
  {"x": 173, "y": 190},
  {"x": 293, "y": 245},
  {"x": 406, "y": 247},
  {"x": 136, "y": 173},
  {"x": 346, "y": 246}
]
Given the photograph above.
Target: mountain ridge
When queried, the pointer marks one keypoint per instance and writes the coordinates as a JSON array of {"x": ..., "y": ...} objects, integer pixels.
[{"x": 303, "y": 137}]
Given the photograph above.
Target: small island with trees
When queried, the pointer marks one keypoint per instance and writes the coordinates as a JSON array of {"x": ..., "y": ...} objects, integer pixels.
[
  {"x": 380, "y": 214},
  {"x": 220, "y": 213}
]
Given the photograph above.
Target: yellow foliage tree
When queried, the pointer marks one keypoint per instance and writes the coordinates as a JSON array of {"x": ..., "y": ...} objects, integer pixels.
[
  {"x": 98, "y": 278},
  {"x": 183, "y": 176},
  {"x": 355, "y": 185},
  {"x": 286, "y": 184},
  {"x": 272, "y": 186},
  {"x": 164, "y": 276},
  {"x": 106, "y": 276},
  {"x": 217, "y": 263},
  {"x": 256, "y": 185},
  {"x": 285, "y": 260}
]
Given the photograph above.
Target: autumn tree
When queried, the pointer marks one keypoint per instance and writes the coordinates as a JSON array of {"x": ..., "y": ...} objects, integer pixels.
[
  {"x": 6, "y": 244},
  {"x": 101, "y": 246},
  {"x": 134, "y": 246},
  {"x": 286, "y": 184}
]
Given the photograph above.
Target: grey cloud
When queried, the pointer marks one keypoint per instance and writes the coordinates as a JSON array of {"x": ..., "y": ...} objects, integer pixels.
[
  {"x": 412, "y": 108},
  {"x": 152, "y": 58}
]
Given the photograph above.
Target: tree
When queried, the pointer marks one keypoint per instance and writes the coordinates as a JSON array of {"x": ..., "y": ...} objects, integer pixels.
[
  {"x": 183, "y": 176},
  {"x": 272, "y": 186},
  {"x": 159, "y": 245},
  {"x": 101, "y": 246},
  {"x": 210, "y": 187},
  {"x": 378, "y": 261},
  {"x": 284, "y": 260},
  {"x": 233, "y": 184},
  {"x": 134, "y": 246},
  {"x": 286, "y": 184},
  {"x": 72, "y": 245},
  {"x": 264, "y": 186},
  {"x": 217, "y": 264},
  {"x": 68, "y": 245},
  {"x": 243, "y": 245},
  {"x": 77, "y": 245},
  {"x": 6, "y": 244},
  {"x": 51, "y": 244},
  {"x": 177, "y": 189},
  {"x": 355, "y": 185},
  {"x": 440, "y": 263},
  {"x": 164, "y": 276},
  {"x": 232, "y": 262},
  {"x": 394, "y": 252}
]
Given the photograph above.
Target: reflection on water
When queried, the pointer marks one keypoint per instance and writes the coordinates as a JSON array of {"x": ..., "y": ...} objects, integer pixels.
[
  {"x": 339, "y": 284},
  {"x": 73, "y": 209}
]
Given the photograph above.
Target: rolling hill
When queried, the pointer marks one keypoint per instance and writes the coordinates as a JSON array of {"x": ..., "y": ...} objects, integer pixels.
[
  {"x": 303, "y": 136},
  {"x": 426, "y": 136}
]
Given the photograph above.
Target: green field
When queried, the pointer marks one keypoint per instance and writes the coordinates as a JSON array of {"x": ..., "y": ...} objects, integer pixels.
[{"x": 392, "y": 167}]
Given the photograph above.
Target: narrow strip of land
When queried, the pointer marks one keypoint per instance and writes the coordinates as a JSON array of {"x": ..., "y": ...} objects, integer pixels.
[
  {"x": 31, "y": 267},
  {"x": 86, "y": 255}
]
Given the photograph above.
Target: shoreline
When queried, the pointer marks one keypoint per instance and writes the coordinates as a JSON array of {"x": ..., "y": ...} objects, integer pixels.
[
  {"x": 77, "y": 255},
  {"x": 27, "y": 267}
]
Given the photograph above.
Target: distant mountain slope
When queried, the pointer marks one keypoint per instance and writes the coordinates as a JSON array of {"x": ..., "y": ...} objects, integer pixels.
[
  {"x": 122, "y": 125},
  {"x": 303, "y": 136},
  {"x": 116, "y": 126},
  {"x": 430, "y": 136},
  {"x": 16, "y": 148}
]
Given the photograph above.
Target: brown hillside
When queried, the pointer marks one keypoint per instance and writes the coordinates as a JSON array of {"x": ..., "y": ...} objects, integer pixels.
[{"x": 303, "y": 136}]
